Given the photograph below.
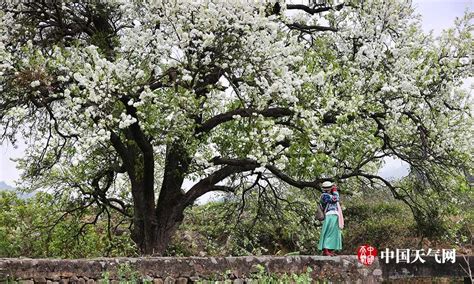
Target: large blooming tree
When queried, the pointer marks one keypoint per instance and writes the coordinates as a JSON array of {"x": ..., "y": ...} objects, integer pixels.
[{"x": 228, "y": 96}]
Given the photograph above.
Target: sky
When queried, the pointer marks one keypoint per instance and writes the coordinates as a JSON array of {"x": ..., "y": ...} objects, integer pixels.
[{"x": 437, "y": 15}]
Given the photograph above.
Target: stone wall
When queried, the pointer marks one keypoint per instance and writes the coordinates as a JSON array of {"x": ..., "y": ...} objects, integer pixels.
[{"x": 192, "y": 269}]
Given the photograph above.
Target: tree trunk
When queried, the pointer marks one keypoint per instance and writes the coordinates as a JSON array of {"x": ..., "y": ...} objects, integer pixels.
[
  {"x": 153, "y": 235},
  {"x": 155, "y": 226},
  {"x": 168, "y": 222},
  {"x": 144, "y": 220}
]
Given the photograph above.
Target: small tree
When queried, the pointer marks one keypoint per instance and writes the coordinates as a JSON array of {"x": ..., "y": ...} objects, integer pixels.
[{"x": 226, "y": 94}]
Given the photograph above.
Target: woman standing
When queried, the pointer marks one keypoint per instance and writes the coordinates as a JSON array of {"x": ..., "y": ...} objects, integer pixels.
[{"x": 330, "y": 238}]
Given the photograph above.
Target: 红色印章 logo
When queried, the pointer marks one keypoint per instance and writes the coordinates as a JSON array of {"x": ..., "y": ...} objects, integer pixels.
[{"x": 366, "y": 254}]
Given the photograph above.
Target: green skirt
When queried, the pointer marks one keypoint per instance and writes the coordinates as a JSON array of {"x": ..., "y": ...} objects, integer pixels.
[{"x": 330, "y": 234}]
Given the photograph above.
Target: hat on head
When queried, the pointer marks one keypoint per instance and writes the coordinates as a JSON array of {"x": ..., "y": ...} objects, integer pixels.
[{"x": 327, "y": 184}]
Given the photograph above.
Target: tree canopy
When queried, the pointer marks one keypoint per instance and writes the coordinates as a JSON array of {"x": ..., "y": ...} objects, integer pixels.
[{"x": 121, "y": 103}]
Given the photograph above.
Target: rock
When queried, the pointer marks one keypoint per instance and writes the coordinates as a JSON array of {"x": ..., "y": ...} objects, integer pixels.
[
  {"x": 360, "y": 265},
  {"x": 363, "y": 271},
  {"x": 27, "y": 282},
  {"x": 249, "y": 258},
  {"x": 181, "y": 280},
  {"x": 63, "y": 281},
  {"x": 377, "y": 272},
  {"x": 169, "y": 280},
  {"x": 230, "y": 259},
  {"x": 238, "y": 281},
  {"x": 254, "y": 269},
  {"x": 81, "y": 281},
  {"x": 90, "y": 281},
  {"x": 40, "y": 280},
  {"x": 74, "y": 280},
  {"x": 157, "y": 281},
  {"x": 55, "y": 277}
]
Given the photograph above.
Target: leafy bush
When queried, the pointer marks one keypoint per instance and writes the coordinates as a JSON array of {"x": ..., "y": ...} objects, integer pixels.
[
  {"x": 380, "y": 222},
  {"x": 38, "y": 227}
]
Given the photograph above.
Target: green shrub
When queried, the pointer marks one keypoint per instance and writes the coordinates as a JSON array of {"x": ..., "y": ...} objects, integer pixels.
[{"x": 38, "y": 227}]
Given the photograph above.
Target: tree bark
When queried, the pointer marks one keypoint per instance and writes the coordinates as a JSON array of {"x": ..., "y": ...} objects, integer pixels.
[
  {"x": 168, "y": 222},
  {"x": 170, "y": 206},
  {"x": 144, "y": 219},
  {"x": 154, "y": 226}
]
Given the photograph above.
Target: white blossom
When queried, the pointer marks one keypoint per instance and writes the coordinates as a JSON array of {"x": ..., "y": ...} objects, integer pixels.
[{"x": 35, "y": 83}]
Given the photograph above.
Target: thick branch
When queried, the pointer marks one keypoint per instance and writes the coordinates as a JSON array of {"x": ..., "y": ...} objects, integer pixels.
[
  {"x": 291, "y": 181},
  {"x": 243, "y": 112},
  {"x": 123, "y": 153},
  {"x": 312, "y": 28},
  {"x": 234, "y": 162},
  {"x": 313, "y": 11},
  {"x": 240, "y": 165},
  {"x": 138, "y": 135},
  {"x": 276, "y": 112},
  {"x": 209, "y": 183}
]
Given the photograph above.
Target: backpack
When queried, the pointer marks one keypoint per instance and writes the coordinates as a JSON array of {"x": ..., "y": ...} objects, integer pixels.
[{"x": 320, "y": 212}]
